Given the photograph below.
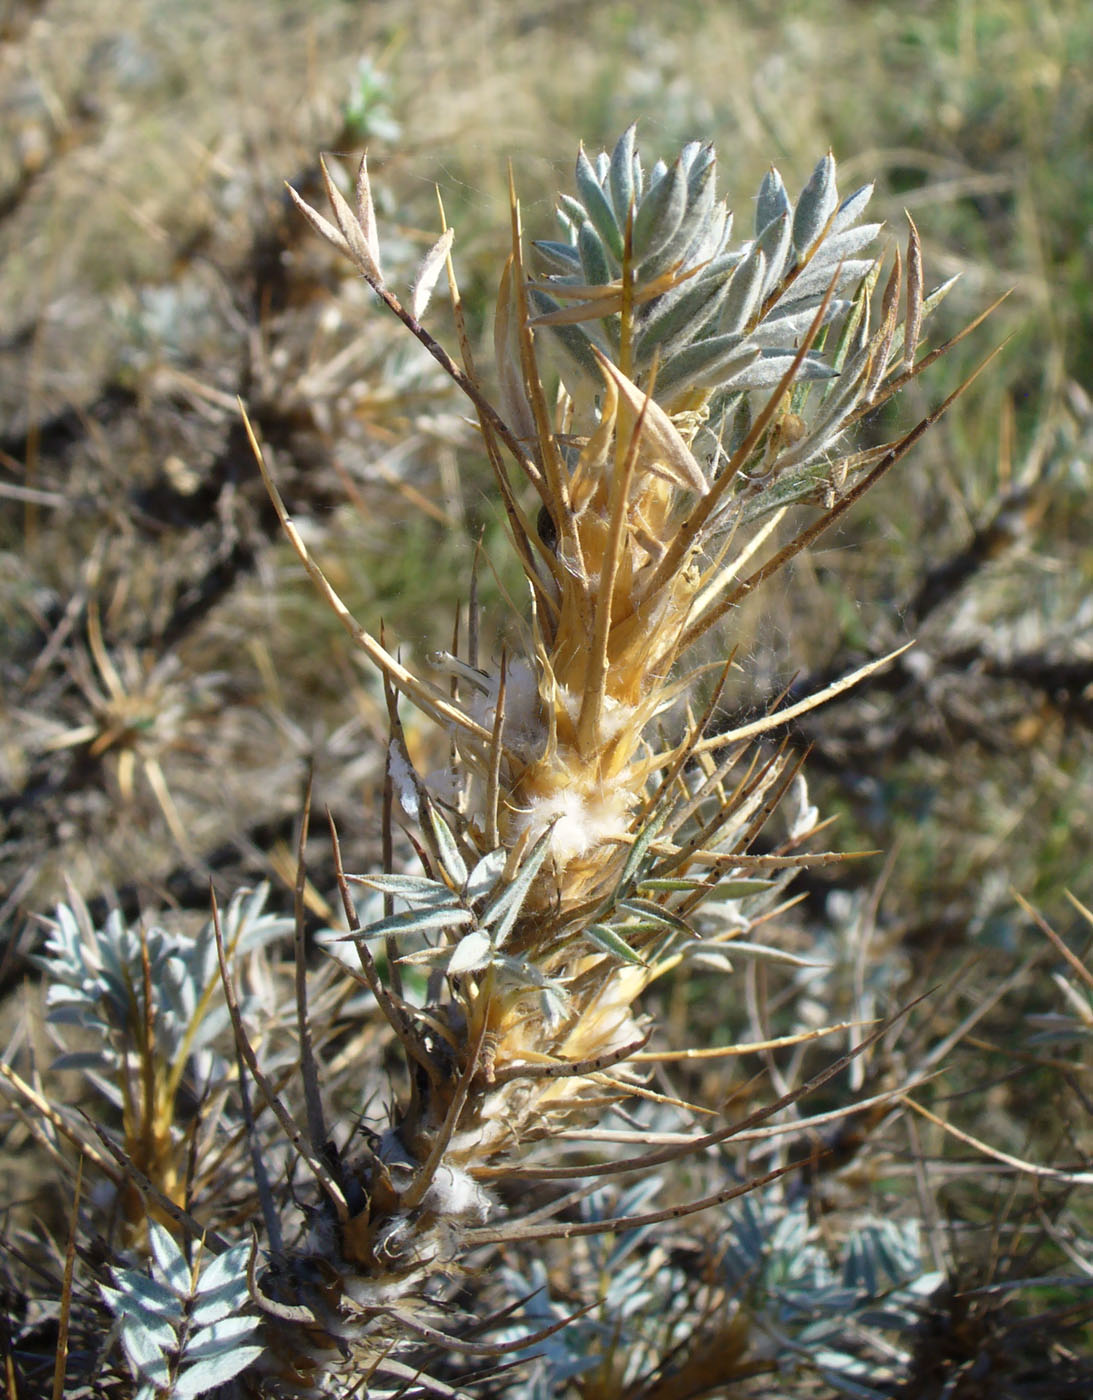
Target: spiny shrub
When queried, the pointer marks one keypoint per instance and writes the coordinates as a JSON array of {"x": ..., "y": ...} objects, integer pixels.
[{"x": 672, "y": 423}]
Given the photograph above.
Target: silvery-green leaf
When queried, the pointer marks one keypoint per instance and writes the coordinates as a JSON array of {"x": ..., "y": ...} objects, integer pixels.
[
  {"x": 788, "y": 487},
  {"x": 786, "y": 331},
  {"x": 593, "y": 259},
  {"x": 485, "y": 875},
  {"x": 772, "y": 201},
  {"x": 695, "y": 157},
  {"x": 174, "y": 969},
  {"x": 897, "y": 1316},
  {"x": 938, "y": 295},
  {"x": 659, "y": 214},
  {"x": 108, "y": 1090},
  {"x": 571, "y": 212},
  {"x": 213, "y": 1021},
  {"x": 685, "y": 311},
  {"x": 708, "y": 363},
  {"x": 425, "y": 957},
  {"x": 819, "y": 200},
  {"x": 838, "y": 247},
  {"x": 844, "y": 399},
  {"x": 219, "y": 1303},
  {"x": 852, "y": 208},
  {"x": 739, "y": 889},
  {"x": 218, "y": 1337},
  {"x": 837, "y": 1367},
  {"x": 110, "y": 944},
  {"x": 470, "y": 953},
  {"x": 169, "y": 1257},
  {"x": 775, "y": 246},
  {"x": 656, "y": 913},
  {"x": 562, "y": 257},
  {"x": 819, "y": 278},
  {"x": 639, "y": 179},
  {"x": 128, "y": 1301},
  {"x": 613, "y": 1265},
  {"x": 712, "y": 234},
  {"x": 884, "y": 1251},
  {"x": 635, "y": 857},
  {"x": 153, "y": 1298},
  {"x": 73, "y": 1007},
  {"x": 859, "y": 1267},
  {"x": 745, "y": 292},
  {"x": 450, "y": 859},
  {"x": 413, "y": 921},
  {"x": 759, "y": 952},
  {"x": 597, "y": 210},
  {"x": 412, "y": 887},
  {"x": 145, "y": 1356},
  {"x": 506, "y": 905},
  {"x": 767, "y": 371},
  {"x": 691, "y": 230},
  {"x": 606, "y": 938},
  {"x": 225, "y": 1277},
  {"x": 621, "y": 178},
  {"x": 205, "y": 1375},
  {"x": 246, "y": 925},
  {"x": 638, "y": 928},
  {"x": 712, "y": 958},
  {"x": 853, "y": 335}
]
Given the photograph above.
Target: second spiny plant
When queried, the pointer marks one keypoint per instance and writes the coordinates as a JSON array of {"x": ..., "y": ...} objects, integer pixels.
[{"x": 671, "y": 423}]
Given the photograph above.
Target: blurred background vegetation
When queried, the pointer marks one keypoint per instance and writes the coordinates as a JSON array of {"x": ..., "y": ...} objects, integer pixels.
[{"x": 168, "y": 676}]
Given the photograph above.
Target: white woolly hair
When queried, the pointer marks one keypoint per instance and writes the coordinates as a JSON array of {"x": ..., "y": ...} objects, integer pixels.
[
  {"x": 582, "y": 820},
  {"x": 455, "y": 1196},
  {"x": 525, "y": 730}
]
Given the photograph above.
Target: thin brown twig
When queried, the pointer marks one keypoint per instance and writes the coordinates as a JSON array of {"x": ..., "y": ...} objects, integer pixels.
[
  {"x": 309, "y": 1070},
  {"x": 61, "y": 1354},
  {"x": 315, "y": 1166}
]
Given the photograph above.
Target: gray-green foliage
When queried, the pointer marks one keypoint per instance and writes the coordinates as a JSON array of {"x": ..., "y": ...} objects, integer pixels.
[
  {"x": 96, "y": 980},
  {"x": 185, "y": 1328},
  {"x": 635, "y": 1317},
  {"x": 710, "y": 315},
  {"x": 713, "y": 321},
  {"x": 841, "y": 1311},
  {"x": 483, "y": 902},
  {"x": 844, "y": 1316}
]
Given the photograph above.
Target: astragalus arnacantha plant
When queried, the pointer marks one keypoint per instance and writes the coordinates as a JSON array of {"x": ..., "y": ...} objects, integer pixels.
[
  {"x": 672, "y": 424},
  {"x": 665, "y": 395}
]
